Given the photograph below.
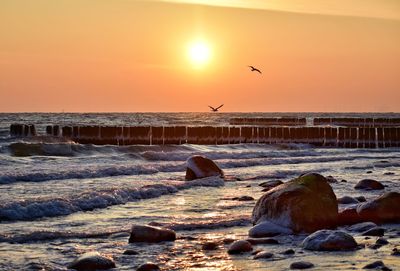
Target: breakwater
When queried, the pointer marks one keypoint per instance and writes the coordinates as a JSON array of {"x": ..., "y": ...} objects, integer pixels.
[{"x": 329, "y": 136}]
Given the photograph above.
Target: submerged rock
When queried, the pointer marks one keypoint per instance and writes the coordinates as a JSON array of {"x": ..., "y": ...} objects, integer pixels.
[
  {"x": 130, "y": 252},
  {"x": 210, "y": 246},
  {"x": 240, "y": 246},
  {"x": 200, "y": 167},
  {"x": 150, "y": 234},
  {"x": 362, "y": 227},
  {"x": 369, "y": 184},
  {"x": 92, "y": 261},
  {"x": 301, "y": 265},
  {"x": 304, "y": 204},
  {"x": 383, "y": 209},
  {"x": 148, "y": 267},
  {"x": 270, "y": 184},
  {"x": 328, "y": 240},
  {"x": 376, "y": 231},
  {"x": 263, "y": 255},
  {"x": 347, "y": 200}
]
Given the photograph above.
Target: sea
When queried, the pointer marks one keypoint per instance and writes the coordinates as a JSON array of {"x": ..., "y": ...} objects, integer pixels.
[{"x": 59, "y": 199}]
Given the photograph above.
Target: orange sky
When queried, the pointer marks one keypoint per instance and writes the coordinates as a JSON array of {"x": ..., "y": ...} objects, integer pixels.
[{"x": 131, "y": 56}]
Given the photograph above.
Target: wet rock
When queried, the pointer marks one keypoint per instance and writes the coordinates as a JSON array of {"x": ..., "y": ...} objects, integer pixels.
[
  {"x": 301, "y": 265},
  {"x": 343, "y": 181},
  {"x": 347, "y": 200},
  {"x": 92, "y": 261},
  {"x": 388, "y": 173},
  {"x": 228, "y": 240},
  {"x": 369, "y": 184},
  {"x": 150, "y": 234},
  {"x": 383, "y": 209},
  {"x": 288, "y": 252},
  {"x": 243, "y": 198},
  {"x": 395, "y": 252},
  {"x": 304, "y": 204},
  {"x": 376, "y": 231},
  {"x": 268, "y": 229},
  {"x": 362, "y": 227},
  {"x": 381, "y": 241},
  {"x": 130, "y": 252},
  {"x": 361, "y": 199},
  {"x": 148, "y": 267},
  {"x": 210, "y": 246},
  {"x": 349, "y": 216},
  {"x": 331, "y": 179},
  {"x": 369, "y": 171},
  {"x": 263, "y": 255},
  {"x": 200, "y": 167},
  {"x": 374, "y": 265},
  {"x": 264, "y": 241},
  {"x": 329, "y": 240},
  {"x": 240, "y": 246},
  {"x": 270, "y": 184}
]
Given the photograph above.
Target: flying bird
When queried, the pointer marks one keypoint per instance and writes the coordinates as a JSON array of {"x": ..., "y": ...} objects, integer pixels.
[
  {"x": 254, "y": 69},
  {"x": 215, "y": 109}
]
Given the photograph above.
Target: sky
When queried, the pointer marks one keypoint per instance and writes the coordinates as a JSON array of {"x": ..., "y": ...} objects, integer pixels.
[{"x": 181, "y": 56}]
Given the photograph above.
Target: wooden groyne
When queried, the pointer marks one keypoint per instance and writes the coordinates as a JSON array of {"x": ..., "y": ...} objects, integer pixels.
[
  {"x": 359, "y": 122},
  {"x": 282, "y": 121},
  {"x": 344, "y": 137}
]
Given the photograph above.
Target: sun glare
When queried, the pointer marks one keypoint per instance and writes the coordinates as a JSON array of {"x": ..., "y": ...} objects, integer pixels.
[{"x": 199, "y": 53}]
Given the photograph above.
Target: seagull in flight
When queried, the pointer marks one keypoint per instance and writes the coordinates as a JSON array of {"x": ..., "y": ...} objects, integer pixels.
[
  {"x": 215, "y": 109},
  {"x": 254, "y": 69}
]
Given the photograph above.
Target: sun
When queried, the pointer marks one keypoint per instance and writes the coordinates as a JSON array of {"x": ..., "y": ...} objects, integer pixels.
[{"x": 199, "y": 53}]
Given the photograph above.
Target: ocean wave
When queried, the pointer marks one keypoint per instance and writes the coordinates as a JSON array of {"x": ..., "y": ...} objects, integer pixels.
[
  {"x": 88, "y": 201},
  {"x": 61, "y": 173}
]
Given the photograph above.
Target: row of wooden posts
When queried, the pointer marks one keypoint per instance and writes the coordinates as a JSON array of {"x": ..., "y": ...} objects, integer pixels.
[
  {"x": 347, "y": 137},
  {"x": 345, "y": 121}
]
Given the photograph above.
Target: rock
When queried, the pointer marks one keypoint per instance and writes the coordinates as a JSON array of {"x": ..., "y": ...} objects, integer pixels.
[
  {"x": 228, "y": 241},
  {"x": 209, "y": 246},
  {"x": 361, "y": 227},
  {"x": 301, "y": 265},
  {"x": 376, "y": 231},
  {"x": 329, "y": 240},
  {"x": 395, "y": 252},
  {"x": 243, "y": 198},
  {"x": 343, "y": 181},
  {"x": 263, "y": 255},
  {"x": 130, "y": 252},
  {"x": 304, "y": 204},
  {"x": 288, "y": 252},
  {"x": 347, "y": 200},
  {"x": 349, "y": 216},
  {"x": 200, "y": 167},
  {"x": 361, "y": 199},
  {"x": 377, "y": 264},
  {"x": 150, "y": 234},
  {"x": 265, "y": 241},
  {"x": 381, "y": 241},
  {"x": 331, "y": 179},
  {"x": 383, "y": 209},
  {"x": 92, "y": 261},
  {"x": 369, "y": 184},
  {"x": 369, "y": 171},
  {"x": 148, "y": 267},
  {"x": 270, "y": 184},
  {"x": 240, "y": 246},
  {"x": 388, "y": 173},
  {"x": 268, "y": 229}
]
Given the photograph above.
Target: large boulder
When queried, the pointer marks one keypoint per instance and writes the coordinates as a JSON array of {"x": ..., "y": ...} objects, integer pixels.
[
  {"x": 328, "y": 240},
  {"x": 304, "y": 204},
  {"x": 383, "y": 209},
  {"x": 200, "y": 167},
  {"x": 150, "y": 234},
  {"x": 92, "y": 261}
]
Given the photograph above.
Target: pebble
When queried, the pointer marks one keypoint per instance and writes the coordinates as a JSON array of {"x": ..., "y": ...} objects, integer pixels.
[{"x": 263, "y": 255}]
